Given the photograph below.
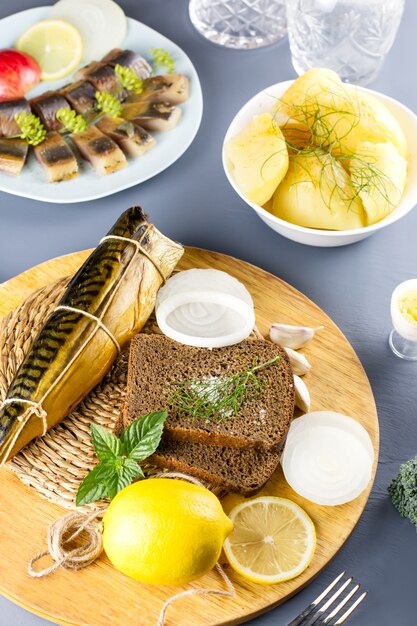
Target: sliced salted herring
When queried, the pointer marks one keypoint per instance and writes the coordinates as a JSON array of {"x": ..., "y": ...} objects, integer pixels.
[
  {"x": 103, "y": 154},
  {"x": 56, "y": 158}
]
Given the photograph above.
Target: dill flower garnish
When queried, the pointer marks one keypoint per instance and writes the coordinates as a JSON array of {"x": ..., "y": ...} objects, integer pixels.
[
  {"x": 162, "y": 58},
  {"x": 31, "y": 127},
  {"x": 217, "y": 398},
  {"x": 129, "y": 79},
  {"x": 71, "y": 122},
  {"x": 108, "y": 104}
]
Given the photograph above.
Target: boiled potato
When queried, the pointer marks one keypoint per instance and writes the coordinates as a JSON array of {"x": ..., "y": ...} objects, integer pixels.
[
  {"x": 378, "y": 172},
  {"x": 317, "y": 193},
  {"x": 312, "y": 100},
  {"x": 257, "y": 158},
  {"x": 340, "y": 117},
  {"x": 375, "y": 124},
  {"x": 316, "y": 88}
]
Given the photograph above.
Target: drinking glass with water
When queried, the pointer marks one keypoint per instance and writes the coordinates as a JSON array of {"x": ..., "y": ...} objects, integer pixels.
[
  {"x": 240, "y": 23},
  {"x": 351, "y": 37}
]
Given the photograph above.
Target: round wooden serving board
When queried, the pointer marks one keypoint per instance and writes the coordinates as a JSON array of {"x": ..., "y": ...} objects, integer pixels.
[{"x": 101, "y": 596}]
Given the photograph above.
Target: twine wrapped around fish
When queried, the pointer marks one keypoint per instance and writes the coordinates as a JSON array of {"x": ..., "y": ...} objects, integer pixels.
[
  {"x": 65, "y": 530},
  {"x": 114, "y": 291}
]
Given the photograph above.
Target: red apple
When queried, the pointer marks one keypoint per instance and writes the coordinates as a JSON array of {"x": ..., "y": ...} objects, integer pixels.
[{"x": 18, "y": 73}]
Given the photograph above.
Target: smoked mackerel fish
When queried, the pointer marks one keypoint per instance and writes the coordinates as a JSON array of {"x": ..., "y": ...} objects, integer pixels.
[{"x": 117, "y": 285}]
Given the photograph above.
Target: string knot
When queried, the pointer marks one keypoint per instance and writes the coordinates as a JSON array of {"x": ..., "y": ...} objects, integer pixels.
[
  {"x": 60, "y": 535},
  {"x": 34, "y": 408},
  {"x": 39, "y": 411}
]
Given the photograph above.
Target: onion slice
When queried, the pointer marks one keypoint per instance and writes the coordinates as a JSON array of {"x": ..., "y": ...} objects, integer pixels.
[
  {"x": 102, "y": 24},
  {"x": 327, "y": 458},
  {"x": 205, "y": 308}
]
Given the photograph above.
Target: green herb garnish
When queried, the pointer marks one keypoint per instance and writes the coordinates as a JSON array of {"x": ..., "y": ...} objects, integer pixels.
[
  {"x": 119, "y": 458},
  {"x": 70, "y": 121},
  {"x": 162, "y": 58},
  {"x": 31, "y": 127},
  {"x": 108, "y": 104},
  {"x": 129, "y": 79},
  {"x": 219, "y": 397}
]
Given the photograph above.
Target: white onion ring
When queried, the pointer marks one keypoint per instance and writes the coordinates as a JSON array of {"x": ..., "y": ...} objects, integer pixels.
[
  {"x": 102, "y": 24},
  {"x": 328, "y": 458},
  {"x": 205, "y": 309}
]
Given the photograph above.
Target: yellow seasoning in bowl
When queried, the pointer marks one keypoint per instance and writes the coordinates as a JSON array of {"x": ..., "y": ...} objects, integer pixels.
[
  {"x": 403, "y": 337},
  {"x": 407, "y": 305}
]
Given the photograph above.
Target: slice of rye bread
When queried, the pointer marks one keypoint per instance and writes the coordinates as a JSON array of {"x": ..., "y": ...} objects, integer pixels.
[
  {"x": 242, "y": 471},
  {"x": 262, "y": 422}
]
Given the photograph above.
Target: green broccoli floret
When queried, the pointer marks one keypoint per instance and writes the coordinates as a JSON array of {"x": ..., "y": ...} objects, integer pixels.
[{"x": 403, "y": 490}]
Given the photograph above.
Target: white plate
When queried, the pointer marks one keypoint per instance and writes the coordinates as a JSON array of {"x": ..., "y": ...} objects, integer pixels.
[
  {"x": 264, "y": 101},
  {"x": 89, "y": 185}
]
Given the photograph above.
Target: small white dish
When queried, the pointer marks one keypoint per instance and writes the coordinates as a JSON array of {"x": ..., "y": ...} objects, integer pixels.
[
  {"x": 264, "y": 102},
  {"x": 403, "y": 337},
  {"x": 89, "y": 185}
]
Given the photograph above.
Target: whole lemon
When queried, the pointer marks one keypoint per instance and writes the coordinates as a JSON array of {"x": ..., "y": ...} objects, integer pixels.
[{"x": 164, "y": 531}]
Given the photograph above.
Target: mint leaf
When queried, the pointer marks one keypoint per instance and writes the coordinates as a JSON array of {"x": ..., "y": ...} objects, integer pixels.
[
  {"x": 95, "y": 484},
  {"x": 119, "y": 458},
  {"x": 125, "y": 471},
  {"x": 142, "y": 437},
  {"x": 106, "y": 445}
]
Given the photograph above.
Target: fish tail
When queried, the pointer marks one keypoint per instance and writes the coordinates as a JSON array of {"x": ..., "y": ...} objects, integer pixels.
[{"x": 13, "y": 419}]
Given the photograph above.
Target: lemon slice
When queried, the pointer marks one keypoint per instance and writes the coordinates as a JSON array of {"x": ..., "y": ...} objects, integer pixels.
[
  {"x": 56, "y": 46},
  {"x": 273, "y": 540}
]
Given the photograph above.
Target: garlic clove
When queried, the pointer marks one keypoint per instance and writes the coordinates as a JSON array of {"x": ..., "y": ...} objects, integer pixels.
[
  {"x": 302, "y": 395},
  {"x": 299, "y": 363},
  {"x": 292, "y": 336}
]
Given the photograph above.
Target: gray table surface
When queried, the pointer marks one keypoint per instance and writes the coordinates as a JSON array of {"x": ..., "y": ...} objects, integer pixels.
[{"x": 193, "y": 203}]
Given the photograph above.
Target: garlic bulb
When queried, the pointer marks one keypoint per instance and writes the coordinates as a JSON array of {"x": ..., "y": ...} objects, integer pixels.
[
  {"x": 302, "y": 395},
  {"x": 298, "y": 361},
  {"x": 292, "y": 336}
]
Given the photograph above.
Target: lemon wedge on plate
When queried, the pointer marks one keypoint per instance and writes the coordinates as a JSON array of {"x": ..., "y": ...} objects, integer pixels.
[
  {"x": 55, "y": 44},
  {"x": 273, "y": 540}
]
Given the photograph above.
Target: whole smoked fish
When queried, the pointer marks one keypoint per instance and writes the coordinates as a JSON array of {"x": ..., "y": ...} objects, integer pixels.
[{"x": 118, "y": 283}]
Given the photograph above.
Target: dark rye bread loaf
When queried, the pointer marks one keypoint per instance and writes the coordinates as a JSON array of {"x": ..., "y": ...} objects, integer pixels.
[
  {"x": 242, "y": 471},
  {"x": 262, "y": 422}
]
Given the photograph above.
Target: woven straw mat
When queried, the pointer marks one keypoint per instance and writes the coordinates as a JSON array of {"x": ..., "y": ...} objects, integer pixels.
[{"x": 55, "y": 464}]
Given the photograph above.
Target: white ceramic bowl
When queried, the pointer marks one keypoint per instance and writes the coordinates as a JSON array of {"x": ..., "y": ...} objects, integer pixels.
[{"x": 264, "y": 102}]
